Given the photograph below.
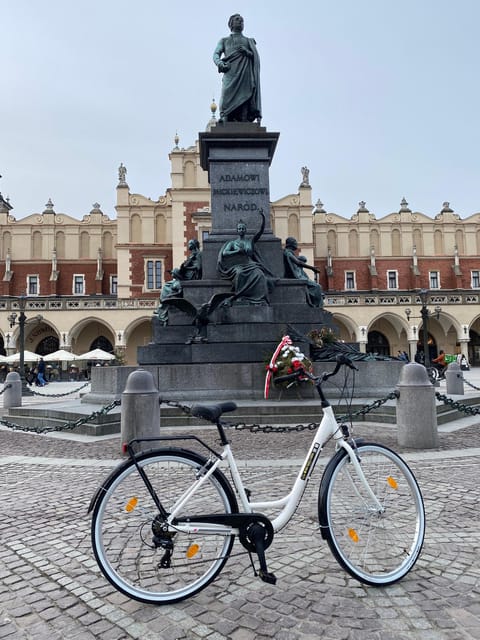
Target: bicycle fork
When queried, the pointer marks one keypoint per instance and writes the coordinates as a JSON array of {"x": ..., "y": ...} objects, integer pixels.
[{"x": 354, "y": 459}]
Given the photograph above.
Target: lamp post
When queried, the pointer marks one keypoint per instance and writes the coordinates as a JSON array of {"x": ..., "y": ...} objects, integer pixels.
[
  {"x": 21, "y": 321},
  {"x": 425, "y": 314}
]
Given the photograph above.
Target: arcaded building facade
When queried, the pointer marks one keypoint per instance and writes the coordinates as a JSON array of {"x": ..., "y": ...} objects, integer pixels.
[{"x": 97, "y": 281}]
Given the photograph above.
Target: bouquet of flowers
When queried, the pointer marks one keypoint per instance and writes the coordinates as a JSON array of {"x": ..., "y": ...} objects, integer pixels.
[
  {"x": 286, "y": 359},
  {"x": 322, "y": 337}
]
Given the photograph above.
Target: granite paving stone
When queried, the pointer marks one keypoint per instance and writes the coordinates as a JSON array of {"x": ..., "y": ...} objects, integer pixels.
[{"x": 50, "y": 586}]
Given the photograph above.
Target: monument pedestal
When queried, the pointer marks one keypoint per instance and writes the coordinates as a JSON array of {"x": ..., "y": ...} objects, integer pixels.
[{"x": 237, "y": 157}]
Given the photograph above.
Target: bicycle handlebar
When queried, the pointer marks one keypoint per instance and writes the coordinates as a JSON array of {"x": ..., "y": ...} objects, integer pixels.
[{"x": 341, "y": 359}]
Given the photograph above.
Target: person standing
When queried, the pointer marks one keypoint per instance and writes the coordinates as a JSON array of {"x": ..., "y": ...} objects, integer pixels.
[
  {"x": 236, "y": 56},
  {"x": 41, "y": 368}
]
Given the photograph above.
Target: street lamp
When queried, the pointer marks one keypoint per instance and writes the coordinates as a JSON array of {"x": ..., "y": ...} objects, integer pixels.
[
  {"x": 425, "y": 314},
  {"x": 21, "y": 320}
]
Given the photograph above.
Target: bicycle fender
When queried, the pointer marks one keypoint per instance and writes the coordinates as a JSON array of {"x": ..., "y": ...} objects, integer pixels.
[
  {"x": 126, "y": 463},
  {"x": 106, "y": 483}
]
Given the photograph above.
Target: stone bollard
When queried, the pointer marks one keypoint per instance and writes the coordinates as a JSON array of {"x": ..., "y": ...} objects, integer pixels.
[
  {"x": 140, "y": 415},
  {"x": 454, "y": 380},
  {"x": 12, "y": 397},
  {"x": 416, "y": 410}
]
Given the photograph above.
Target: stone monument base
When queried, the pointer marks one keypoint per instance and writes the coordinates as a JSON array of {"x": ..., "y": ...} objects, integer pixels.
[{"x": 235, "y": 381}]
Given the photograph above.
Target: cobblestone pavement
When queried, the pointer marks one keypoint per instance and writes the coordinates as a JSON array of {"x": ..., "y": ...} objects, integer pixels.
[{"x": 51, "y": 588}]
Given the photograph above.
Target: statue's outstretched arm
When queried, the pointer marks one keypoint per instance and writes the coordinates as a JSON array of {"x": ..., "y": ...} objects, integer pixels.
[
  {"x": 259, "y": 233},
  {"x": 301, "y": 263}
]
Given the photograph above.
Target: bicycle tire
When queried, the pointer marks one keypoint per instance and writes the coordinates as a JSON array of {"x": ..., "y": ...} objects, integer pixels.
[
  {"x": 125, "y": 512},
  {"x": 376, "y": 548}
]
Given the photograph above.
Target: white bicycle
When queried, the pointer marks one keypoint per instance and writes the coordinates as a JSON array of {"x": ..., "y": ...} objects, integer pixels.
[{"x": 164, "y": 521}]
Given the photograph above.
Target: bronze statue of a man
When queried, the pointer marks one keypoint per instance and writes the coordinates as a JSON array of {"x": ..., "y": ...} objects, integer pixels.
[
  {"x": 237, "y": 58},
  {"x": 294, "y": 268}
]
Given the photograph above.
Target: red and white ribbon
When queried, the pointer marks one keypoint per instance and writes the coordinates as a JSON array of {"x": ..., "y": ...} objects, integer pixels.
[{"x": 272, "y": 367}]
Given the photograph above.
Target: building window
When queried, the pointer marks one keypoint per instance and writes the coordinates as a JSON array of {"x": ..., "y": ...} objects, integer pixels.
[
  {"x": 153, "y": 274},
  {"x": 475, "y": 279},
  {"x": 434, "y": 280},
  {"x": 350, "y": 280},
  {"x": 113, "y": 285},
  {"x": 392, "y": 279},
  {"x": 78, "y": 284},
  {"x": 33, "y": 288}
]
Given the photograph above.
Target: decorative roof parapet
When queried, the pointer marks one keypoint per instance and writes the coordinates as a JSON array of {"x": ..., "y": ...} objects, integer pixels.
[
  {"x": 404, "y": 206},
  {"x": 318, "y": 208},
  {"x": 447, "y": 212},
  {"x": 49, "y": 208}
]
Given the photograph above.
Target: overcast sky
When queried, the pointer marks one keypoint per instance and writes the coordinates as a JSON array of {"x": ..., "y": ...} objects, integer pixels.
[{"x": 379, "y": 99}]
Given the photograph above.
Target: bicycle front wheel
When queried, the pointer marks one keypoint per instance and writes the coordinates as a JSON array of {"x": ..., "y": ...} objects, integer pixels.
[
  {"x": 134, "y": 550},
  {"x": 375, "y": 542}
]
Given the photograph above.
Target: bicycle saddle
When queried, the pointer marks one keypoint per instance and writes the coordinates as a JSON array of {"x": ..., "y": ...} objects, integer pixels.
[{"x": 212, "y": 412}]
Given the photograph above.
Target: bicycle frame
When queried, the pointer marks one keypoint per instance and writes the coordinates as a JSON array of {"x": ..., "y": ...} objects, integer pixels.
[{"x": 288, "y": 504}]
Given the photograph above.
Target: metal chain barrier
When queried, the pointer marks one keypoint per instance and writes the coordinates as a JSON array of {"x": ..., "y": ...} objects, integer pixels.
[
  {"x": 393, "y": 395},
  {"x": 67, "y": 426},
  {"x": 459, "y": 375},
  {"x": 460, "y": 406},
  {"x": 59, "y": 395},
  {"x": 7, "y": 386},
  {"x": 311, "y": 426}
]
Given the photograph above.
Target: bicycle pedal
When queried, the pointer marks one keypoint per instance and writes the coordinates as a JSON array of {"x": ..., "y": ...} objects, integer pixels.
[{"x": 268, "y": 577}]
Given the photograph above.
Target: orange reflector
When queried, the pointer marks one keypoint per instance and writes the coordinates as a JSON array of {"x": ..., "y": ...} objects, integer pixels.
[
  {"x": 192, "y": 550},
  {"x": 353, "y": 535},
  {"x": 392, "y": 482},
  {"x": 131, "y": 504}
]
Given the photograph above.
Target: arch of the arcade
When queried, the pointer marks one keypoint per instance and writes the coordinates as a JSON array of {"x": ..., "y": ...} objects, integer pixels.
[
  {"x": 387, "y": 332},
  {"x": 384, "y": 331},
  {"x": 137, "y": 333},
  {"x": 116, "y": 332}
]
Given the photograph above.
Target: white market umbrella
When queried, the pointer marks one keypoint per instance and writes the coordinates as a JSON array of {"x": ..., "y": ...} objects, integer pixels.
[
  {"x": 96, "y": 354},
  {"x": 3, "y": 359},
  {"x": 60, "y": 356},
  {"x": 28, "y": 356}
]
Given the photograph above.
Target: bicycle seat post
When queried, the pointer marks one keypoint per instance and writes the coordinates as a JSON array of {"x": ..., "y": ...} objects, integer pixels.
[{"x": 221, "y": 432}]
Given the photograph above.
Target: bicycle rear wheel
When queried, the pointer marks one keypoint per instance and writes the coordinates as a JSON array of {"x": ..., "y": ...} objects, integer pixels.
[
  {"x": 125, "y": 520},
  {"x": 376, "y": 546}
]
